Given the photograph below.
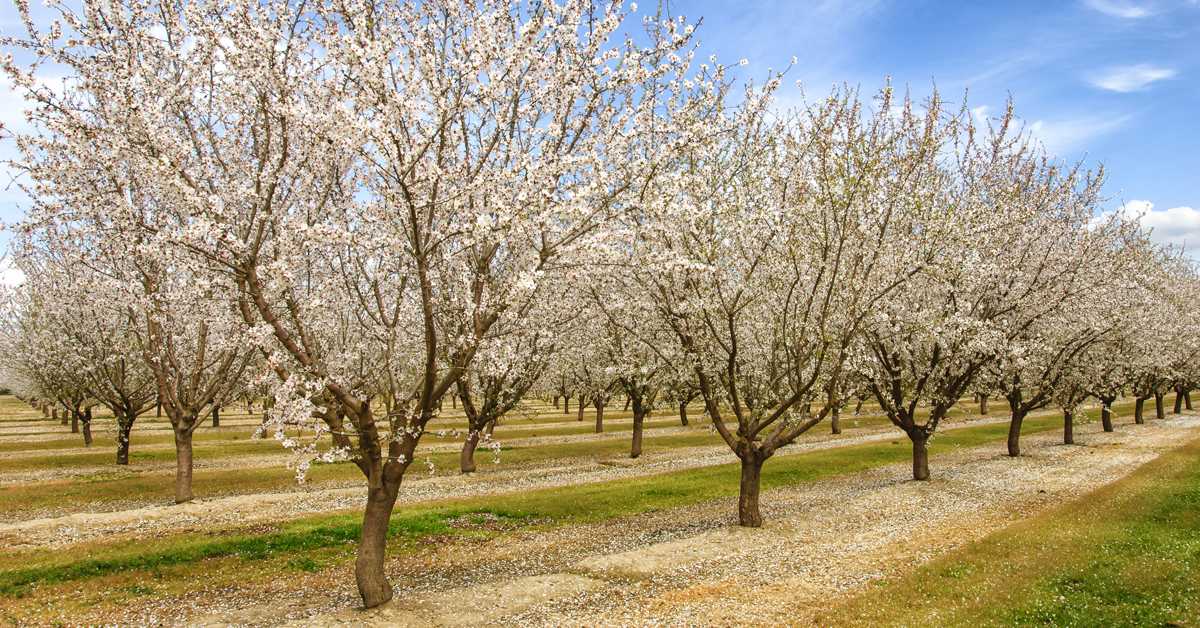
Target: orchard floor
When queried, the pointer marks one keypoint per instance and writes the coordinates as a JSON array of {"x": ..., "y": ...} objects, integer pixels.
[{"x": 823, "y": 541}]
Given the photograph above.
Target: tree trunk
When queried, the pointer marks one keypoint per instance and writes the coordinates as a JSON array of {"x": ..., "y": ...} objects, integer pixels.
[
  {"x": 920, "y": 444},
  {"x": 582, "y": 405},
  {"x": 45, "y": 410},
  {"x": 373, "y": 585},
  {"x": 683, "y": 420},
  {"x": 567, "y": 404},
  {"x": 216, "y": 416},
  {"x": 858, "y": 408},
  {"x": 183, "y": 467},
  {"x": 1178, "y": 400},
  {"x": 74, "y": 422},
  {"x": 1187, "y": 399},
  {"x": 123, "y": 430},
  {"x": 1014, "y": 434},
  {"x": 1158, "y": 407},
  {"x": 749, "y": 514},
  {"x": 467, "y": 459},
  {"x": 158, "y": 411},
  {"x": 1137, "y": 411},
  {"x": 1106, "y": 414},
  {"x": 835, "y": 420},
  {"x": 87, "y": 427},
  {"x": 556, "y": 402},
  {"x": 1068, "y": 427},
  {"x": 636, "y": 450},
  {"x": 491, "y": 427},
  {"x": 626, "y": 408},
  {"x": 983, "y": 404},
  {"x": 454, "y": 401},
  {"x": 599, "y": 417}
]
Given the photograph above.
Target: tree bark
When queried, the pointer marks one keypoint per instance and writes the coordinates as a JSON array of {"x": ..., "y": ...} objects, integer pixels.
[
  {"x": 1187, "y": 399},
  {"x": 920, "y": 444},
  {"x": 556, "y": 402},
  {"x": 749, "y": 514},
  {"x": 467, "y": 458},
  {"x": 183, "y": 467},
  {"x": 983, "y": 404},
  {"x": 636, "y": 450},
  {"x": 87, "y": 427},
  {"x": 1014, "y": 434},
  {"x": 858, "y": 408},
  {"x": 373, "y": 585},
  {"x": 158, "y": 411},
  {"x": 216, "y": 416},
  {"x": 1178, "y": 400},
  {"x": 626, "y": 408},
  {"x": 1158, "y": 406},
  {"x": 74, "y": 422},
  {"x": 599, "y": 416},
  {"x": 1068, "y": 427},
  {"x": 1106, "y": 414},
  {"x": 1137, "y": 411},
  {"x": 123, "y": 430},
  {"x": 491, "y": 427},
  {"x": 835, "y": 420},
  {"x": 683, "y": 420},
  {"x": 582, "y": 405},
  {"x": 567, "y": 404}
]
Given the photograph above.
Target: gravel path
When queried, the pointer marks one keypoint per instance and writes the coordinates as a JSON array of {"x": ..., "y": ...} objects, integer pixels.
[
  {"x": 692, "y": 566},
  {"x": 61, "y": 529}
]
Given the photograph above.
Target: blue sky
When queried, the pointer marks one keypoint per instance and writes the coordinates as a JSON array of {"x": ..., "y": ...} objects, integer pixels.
[{"x": 1116, "y": 80}]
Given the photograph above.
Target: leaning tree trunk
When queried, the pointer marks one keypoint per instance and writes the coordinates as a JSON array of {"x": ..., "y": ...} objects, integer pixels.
[
  {"x": 1014, "y": 433},
  {"x": 373, "y": 585},
  {"x": 599, "y": 417},
  {"x": 1137, "y": 410},
  {"x": 466, "y": 460},
  {"x": 858, "y": 408},
  {"x": 835, "y": 420},
  {"x": 87, "y": 427},
  {"x": 920, "y": 445},
  {"x": 636, "y": 449},
  {"x": 626, "y": 408},
  {"x": 1106, "y": 413},
  {"x": 1158, "y": 407},
  {"x": 183, "y": 466},
  {"x": 749, "y": 514},
  {"x": 1068, "y": 427},
  {"x": 683, "y": 413}
]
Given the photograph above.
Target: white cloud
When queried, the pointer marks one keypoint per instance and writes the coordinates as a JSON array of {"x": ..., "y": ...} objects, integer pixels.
[
  {"x": 1119, "y": 8},
  {"x": 1179, "y": 226},
  {"x": 1065, "y": 136},
  {"x": 11, "y": 275},
  {"x": 1132, "y": 78}
]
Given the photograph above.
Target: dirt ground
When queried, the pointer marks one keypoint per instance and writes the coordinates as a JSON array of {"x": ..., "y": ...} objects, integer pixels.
[{"x": 689, "y": 566}]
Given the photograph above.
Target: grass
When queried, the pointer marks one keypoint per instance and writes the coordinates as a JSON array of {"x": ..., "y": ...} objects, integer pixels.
[
  {"x": 571, "y": 504},
  {"x": 1127, "y": 554}
]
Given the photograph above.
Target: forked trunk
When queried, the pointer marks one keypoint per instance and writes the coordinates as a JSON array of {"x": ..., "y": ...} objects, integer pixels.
[
  {"x": 920, "y": 444},
  {"x": 683, "y": 420},
  {"x": 983, "y": 404},
  {"x": 1106, "y": 414},
  {"x": 467, "y": 458},
  {"x": 183, "y": 467},
  {"x": 749, "y": 514},
  {"x": 636, "y": 450},
  {"x": 835, "y": 420},
  {"x": 1158, "y": 407},
  {"x": 599, "y": 417},
  {"x": 1137, "y": 410},
  {"x": 373, "y": 585},
  {"x": 1014, "y": 433},
  {"x": 123, "y": 429},
  {"x": 1068, "y": 427}
]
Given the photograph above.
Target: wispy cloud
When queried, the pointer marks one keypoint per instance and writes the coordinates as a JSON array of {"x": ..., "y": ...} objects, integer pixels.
[
  {"x": 1062, "y": 136},
  {"x": 1119, "y": 8},
  {"x": 1132, "y": 78}
]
